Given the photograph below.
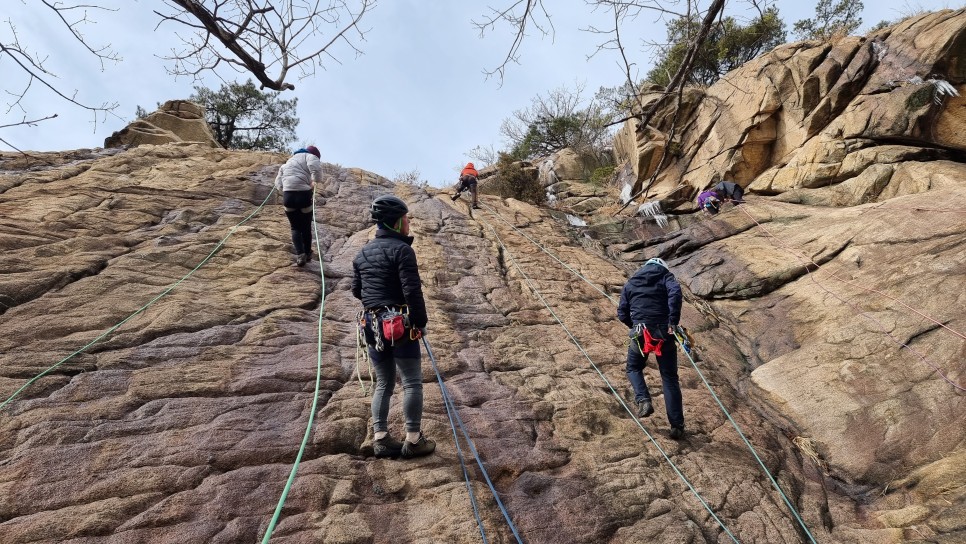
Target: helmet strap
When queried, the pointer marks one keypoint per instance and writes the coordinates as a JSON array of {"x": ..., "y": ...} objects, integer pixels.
[{"x": 397, "y": 228}]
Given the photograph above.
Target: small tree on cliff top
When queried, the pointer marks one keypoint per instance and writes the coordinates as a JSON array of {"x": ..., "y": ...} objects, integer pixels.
[
  {"x": 242, "y": 117},
  {"x": 554, "y": 122},
  {"x": 830, "y": 19},
  {"x": 728, "y": 46}
]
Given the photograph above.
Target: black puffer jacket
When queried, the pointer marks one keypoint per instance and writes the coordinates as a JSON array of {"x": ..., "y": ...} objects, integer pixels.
[
  {"x": 385, "y": 274},
  {"x": 652, "y": 296}
]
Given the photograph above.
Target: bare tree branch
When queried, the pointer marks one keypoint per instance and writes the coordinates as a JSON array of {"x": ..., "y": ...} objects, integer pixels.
[
  {"x": 31, "y": 122},
  {"x": 31, "y": 65},
  {"x": 263, "y": 39},
  {"x": 102, "y": 53},
  {"x": 714, "y": 10},
  {"x": 520, "y": 22}
]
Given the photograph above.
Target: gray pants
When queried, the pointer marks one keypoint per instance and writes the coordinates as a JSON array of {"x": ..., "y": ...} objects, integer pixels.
[{"x": 411, "y": 374}]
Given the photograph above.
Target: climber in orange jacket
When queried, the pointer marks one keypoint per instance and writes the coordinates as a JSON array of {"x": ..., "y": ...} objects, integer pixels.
[{"x": 468, "y": 180}]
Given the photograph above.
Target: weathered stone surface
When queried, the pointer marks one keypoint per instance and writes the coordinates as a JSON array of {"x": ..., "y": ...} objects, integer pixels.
[
  {"x": 175, "y": 121},
  {"x": 870, "y": 160},
  {"x": 183, "y": 423},
  {"x": 796, "y": 116}
]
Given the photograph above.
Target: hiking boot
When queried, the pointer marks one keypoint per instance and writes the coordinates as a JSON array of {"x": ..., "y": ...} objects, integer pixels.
[
  {"x": 476, "y": 206},
  {"x": 301, "y": 259},
  {"x": 644, "y": 408},
  {"x": 386, "y": 447},
  {"x": 455, "y": 197},
  {"x": 421, "y": 448},
  {"x": 677, "y": 432}
]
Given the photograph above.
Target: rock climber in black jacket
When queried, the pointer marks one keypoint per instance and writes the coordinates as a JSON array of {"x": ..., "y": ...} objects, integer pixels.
[
  {"x": 650, "y": 305},
  {"x": 386, "y": 280}
]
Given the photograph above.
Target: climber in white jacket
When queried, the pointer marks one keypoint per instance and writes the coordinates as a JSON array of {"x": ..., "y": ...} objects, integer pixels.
[{"x": 296, "y": 179}]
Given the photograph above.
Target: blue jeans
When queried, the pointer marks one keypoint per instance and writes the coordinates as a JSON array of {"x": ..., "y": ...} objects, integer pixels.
[
  {"x": 404, "y": 355},
  {"x": 667, "y": 363}
]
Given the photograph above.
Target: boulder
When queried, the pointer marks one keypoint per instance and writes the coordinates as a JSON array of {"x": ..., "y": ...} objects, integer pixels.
[{"x": 174, "y": 121}]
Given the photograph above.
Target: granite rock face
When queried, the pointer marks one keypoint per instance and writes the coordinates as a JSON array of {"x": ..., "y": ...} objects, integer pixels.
[
  {"x": 182, "y": 424},
  {"x": 159, "y": 352},
  {"x": 813, "y": 115}
]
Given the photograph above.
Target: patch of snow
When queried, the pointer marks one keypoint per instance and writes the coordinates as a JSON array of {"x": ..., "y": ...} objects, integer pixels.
[
  {"x": 941, "y": 88},
  {"x": 626, "y": 193},
  {"x": 653, "y": 209},
  {"x": 546, "y": 173}
]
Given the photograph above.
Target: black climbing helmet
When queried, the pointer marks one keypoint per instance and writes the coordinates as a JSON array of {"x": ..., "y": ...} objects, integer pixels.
[{"x": 387, "y": 209}]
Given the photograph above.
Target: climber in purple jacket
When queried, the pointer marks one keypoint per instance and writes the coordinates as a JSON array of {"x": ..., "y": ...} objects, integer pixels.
[
  {"x": 709, "y": 202},
  {"x": 724, "y": 191}
]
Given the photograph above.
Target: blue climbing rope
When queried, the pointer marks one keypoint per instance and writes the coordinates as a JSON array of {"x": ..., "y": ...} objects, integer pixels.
[
  {"x": 450, "y": 408},
  {"x": 469, "y": 442}
]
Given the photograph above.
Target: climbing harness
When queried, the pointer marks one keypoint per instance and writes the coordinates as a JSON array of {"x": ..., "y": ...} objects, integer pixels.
[
  {"x": 650, "y": 344},
  {"x": 389, "y": 324}
]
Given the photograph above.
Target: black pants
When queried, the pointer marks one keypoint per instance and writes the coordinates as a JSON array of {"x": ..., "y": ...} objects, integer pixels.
[
  {"x": 667, "y": 364},
  {"x": 467, "y": 186},
  {"x": 727, "y": 189},
  {"x": 298, "y": 209}
]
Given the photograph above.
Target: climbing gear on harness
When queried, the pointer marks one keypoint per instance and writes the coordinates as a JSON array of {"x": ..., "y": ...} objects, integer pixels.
[
  {"x": 393, "y": 325},
  {"x": 713, "y": 205},
  {"x": 659, "y": 262},
  {"x": 387, "y": 209},
  {"x": 388, "y": 325},
  {"x": 650, "y": 343},
  {"x": 644, "y": 408},
  {"x": 684, "y": 338},
  {"x": 361, "y": 350}
]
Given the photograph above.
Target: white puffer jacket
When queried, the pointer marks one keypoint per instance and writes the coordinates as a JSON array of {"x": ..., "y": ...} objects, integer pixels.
[{"x": 298, "y": 173}]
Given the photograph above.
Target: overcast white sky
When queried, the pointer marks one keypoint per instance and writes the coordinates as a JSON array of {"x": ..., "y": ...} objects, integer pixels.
[{"x": 417, "y": 99}]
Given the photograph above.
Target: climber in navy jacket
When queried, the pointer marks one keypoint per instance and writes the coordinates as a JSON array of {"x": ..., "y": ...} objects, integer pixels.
[{"x": 650, "y": 305}]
